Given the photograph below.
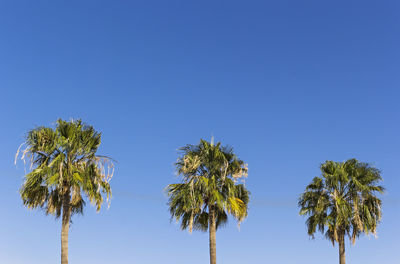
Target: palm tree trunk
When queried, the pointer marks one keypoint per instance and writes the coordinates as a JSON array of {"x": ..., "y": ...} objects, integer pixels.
[
  {"x": 212, "y": 230},
  {"x": 342, "y": 259},
  {"x": 66, "y": 217}
]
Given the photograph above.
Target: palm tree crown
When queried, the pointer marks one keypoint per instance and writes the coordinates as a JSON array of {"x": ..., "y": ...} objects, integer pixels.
[
  {"x": 64, "y": 160},
  {"x": 210, "y": 174},
  {"x": 343, "y": 200}
]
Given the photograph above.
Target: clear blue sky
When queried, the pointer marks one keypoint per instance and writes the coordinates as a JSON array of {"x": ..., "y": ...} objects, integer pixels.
[{"x": 289, "y": 84}]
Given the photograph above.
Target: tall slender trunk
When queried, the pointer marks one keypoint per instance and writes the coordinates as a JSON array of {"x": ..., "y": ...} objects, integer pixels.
[
  {"x": 66, "y": 217},
  {"x": 212, "y": 230},
  {"x": 342, "y": 258}
]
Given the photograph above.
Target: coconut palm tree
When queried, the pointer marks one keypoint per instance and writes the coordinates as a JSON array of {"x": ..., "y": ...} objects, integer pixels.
[
  {"x": 343, "y": 201},
  {"x": 64, "y": 168},
  {"x": 209, "y": 190}
]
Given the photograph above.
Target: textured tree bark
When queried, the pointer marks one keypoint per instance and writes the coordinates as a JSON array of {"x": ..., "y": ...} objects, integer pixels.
[
  {"x": 342, "y": 258},
  {"x": 66, "y": 217},
  {"x": 212, "y": 230}
]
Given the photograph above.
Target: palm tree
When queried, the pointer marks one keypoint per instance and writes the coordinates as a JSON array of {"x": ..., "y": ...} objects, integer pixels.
[
  {"x": 209, "y": 190},
  {"x": 343, "y": 201},
  {"x": 64, "y": 168}
]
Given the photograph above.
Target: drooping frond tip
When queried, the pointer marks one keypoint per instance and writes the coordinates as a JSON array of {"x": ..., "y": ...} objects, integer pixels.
[
  {"x": 106, "y": 167},
  {"x": 24, "y": 154}
]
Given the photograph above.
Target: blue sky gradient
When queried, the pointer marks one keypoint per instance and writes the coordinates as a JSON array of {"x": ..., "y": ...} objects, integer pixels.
[{"x": 288, "y": 84}]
